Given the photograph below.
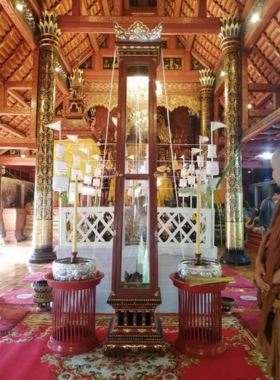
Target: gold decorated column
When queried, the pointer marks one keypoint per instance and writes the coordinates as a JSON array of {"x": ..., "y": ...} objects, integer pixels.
[
  {"x": 206, "y": 95},
  {"x": 43, "y": 208},
  {"x": 234, "y": 223}
]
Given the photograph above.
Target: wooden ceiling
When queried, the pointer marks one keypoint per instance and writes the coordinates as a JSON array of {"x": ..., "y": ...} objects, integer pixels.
[{"x": 195, "y": 23}]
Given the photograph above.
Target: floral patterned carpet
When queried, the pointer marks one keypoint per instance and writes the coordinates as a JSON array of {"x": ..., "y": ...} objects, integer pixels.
[{"x": 25, "y": 356}]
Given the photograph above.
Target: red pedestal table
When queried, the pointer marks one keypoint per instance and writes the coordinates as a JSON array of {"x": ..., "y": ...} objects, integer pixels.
[
  {"x": 200, "y": 318},
  {"x": 73, "y": 315}
]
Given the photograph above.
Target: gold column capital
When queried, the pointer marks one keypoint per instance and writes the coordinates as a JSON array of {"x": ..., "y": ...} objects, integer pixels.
[
  {"x": 230, "y": 34},
  {"x": 207, "y": 78},
  {"x": 49, "y": 31}
]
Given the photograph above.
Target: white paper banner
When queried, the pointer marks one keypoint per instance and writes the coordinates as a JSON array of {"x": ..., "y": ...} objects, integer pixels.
[
  {"x": 191, "y": 180},
  {"x": 200, "y": 161},
  {"x": 191, "y": 169},
  {"x": 88, "y": 169},
  {"x": 212, "y": 151},
  {"x": 183, "y": 182},
  {"x": 76, "y": 172},
  {"x": 77, "y": 160},
  {"x": 60, "y": 183},
  {"x": 60, "y": 167},
  {"x": 87, "y": 179},
  {"x": 60, "y": 150},
  {"x": 97, "y": 172},
  {"x": 183, "y": 173},
  {"x": 212, "y": 167}
]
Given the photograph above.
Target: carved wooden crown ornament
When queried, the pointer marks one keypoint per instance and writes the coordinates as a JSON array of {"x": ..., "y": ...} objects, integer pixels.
[{"x": 138, "y": 32}]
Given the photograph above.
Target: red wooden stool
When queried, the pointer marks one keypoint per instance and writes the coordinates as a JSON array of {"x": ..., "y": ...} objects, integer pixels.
[
  {"x": 200, "y": 319},
  {"x": 73, "y": 315}
]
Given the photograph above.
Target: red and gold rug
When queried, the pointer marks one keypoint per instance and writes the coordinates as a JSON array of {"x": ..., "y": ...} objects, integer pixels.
[{"x": 24, "y": 355}]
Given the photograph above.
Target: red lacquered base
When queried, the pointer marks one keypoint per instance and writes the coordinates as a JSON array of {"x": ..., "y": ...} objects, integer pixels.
[
  {"x": 200, "y": 319},
  {"x": 73, "y": 315}
]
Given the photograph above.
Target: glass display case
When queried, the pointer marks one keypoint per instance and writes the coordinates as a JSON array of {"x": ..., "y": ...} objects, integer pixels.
[{"x": 135, "y": 292}]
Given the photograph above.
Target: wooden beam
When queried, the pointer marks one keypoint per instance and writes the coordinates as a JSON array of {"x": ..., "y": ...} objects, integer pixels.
[
  {"x": 91, "y": 36},
  {"x": 16, "y": 160},
  {"x": 20, "y": 23},
  {"x": 18, "y": 111},
  {"x": 61, "y": 85},
  {"x": 171, "y": 25},
  {"x": 106, "y": 9},
  {"x": 247, "y": 9},
  {"x": 200, "y": 59},
  {"x": 117, "y": 7},
  {"x": 244, "y": 90},
  {"x": 177, "y": 8},
  {"x": 3, "y": 95},
  {"x": 12, "y": 130},
  {"x": 160, "y": 8},
  {"x": 270, "y": 8},
  {"x": 16, "y": 85},
  {"x": 259, "y": 112},
  {"x": 18, "y": 98},
  {"x": 262, "y": 125},
  {"x": 202, "y": 8},
  {"x": 263, "y": 87},
  {"x": 34, "y": 93},
  {"x": 59, "y": 100},
  {"x": 77, "y": 7}
]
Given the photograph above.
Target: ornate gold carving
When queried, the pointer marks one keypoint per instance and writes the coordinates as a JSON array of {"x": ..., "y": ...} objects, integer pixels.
[
  {"x": 44, "y": 157},
  {"x": 76, "y": 79},
  {"x": 142, "y": 330},
  {"x": 162, "y": 347},
  {"x": 179, "y": 95},
  {"x": 126, "y": 330},
  {"x": 43, "y": 234},
  {"x": 138, "y": 32},
  {"x": 48, "y": 24},
  {"x": 117, "y": 174},
  {"x": 112, "y": 292},
  {"x": 230, "y": 27},
  {"x": 156, "y": 294},
  {"x": 134, "y": 348},
  {"x": 233, "y": 180},
  {"x": 230, "y": 34},
  {"x": 114, "y": 234},
  {"x": 49, "y": 31}
]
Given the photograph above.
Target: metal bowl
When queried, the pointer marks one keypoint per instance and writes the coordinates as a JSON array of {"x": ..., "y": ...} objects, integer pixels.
[
  {"x": 83, "y": 269},
  {"x": 207, "y": 268}
]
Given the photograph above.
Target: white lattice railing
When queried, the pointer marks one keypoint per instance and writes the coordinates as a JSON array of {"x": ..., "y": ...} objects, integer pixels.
[{"x": 175, "y": 225}]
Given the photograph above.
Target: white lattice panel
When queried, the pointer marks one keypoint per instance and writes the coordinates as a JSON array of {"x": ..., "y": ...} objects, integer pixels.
[{"x": 175, "y": 226}]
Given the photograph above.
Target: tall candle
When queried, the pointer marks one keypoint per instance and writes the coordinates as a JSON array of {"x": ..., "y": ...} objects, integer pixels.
[
  {"x": 198, "y": 216},
  {"x": 75, "y": 217}
]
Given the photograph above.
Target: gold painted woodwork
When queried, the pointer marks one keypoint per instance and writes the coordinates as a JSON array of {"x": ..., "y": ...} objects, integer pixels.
[
  {"x": 43, "y": 225},
  {"x": 179, "y": 95},
  {"x": 233, "y": 180}
]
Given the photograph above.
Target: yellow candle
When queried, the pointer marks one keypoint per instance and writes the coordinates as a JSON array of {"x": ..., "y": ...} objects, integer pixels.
[
  {"x": 198, "y": 215},
  {"x": 75, "y": 217}
]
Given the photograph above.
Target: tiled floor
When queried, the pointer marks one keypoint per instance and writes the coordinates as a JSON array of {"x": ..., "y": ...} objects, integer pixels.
[{"x": 14, "y": 266}]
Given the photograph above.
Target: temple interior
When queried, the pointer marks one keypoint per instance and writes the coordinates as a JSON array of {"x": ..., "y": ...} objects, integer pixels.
[{"x": 139, "y": 133}]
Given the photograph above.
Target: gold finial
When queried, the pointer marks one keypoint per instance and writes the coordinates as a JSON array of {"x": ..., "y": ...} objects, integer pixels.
[{"x": 76, "y": 79}]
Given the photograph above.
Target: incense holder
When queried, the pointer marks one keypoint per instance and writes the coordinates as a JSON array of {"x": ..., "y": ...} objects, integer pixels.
[
  {"x": 207, "y": 268},
  {"x": 83, "y": 269}
]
